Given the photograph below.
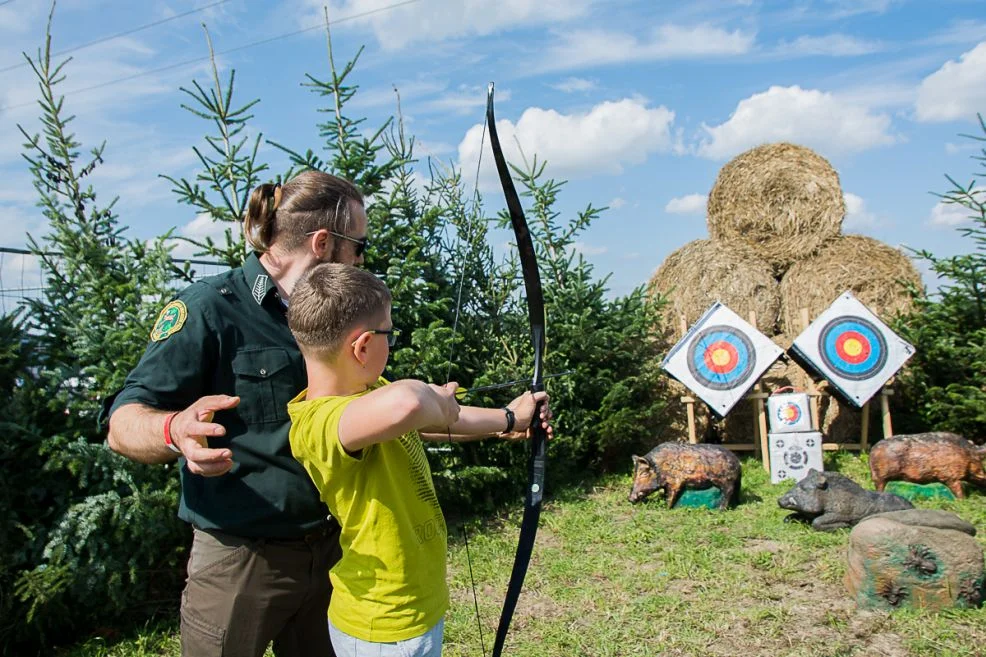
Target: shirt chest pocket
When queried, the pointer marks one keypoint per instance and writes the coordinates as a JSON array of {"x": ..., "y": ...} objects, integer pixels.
[{"x": 265, "y": 381}]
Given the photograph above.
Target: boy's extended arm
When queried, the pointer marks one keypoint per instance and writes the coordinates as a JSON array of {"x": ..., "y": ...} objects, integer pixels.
[
  {"x": 392, "y": 410},
  {"x": 476, "y": 423}
]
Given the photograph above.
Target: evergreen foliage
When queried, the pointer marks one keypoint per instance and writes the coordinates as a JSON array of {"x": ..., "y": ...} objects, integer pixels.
[
  {"x": 90, "y": 534},
  {"x": 93, "y": 536},
  {"x": 943, "y": 384}
]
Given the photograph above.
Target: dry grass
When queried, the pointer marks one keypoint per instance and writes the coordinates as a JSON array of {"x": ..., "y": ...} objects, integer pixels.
[
  {"x": 702, "y": 272},
  {"x": 877, "y": 274},
  {"x": 783, "y": 200}
]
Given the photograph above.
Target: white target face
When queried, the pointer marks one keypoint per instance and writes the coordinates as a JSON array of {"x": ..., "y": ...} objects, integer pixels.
[
  {"x": 852, "y": 348},
  {"x": 792, "y": 455},
  {"x": 720, "y": 358}
]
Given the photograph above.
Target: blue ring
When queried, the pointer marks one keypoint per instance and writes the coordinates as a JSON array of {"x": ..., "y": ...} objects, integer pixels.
[{"x": 853, "y": 371}]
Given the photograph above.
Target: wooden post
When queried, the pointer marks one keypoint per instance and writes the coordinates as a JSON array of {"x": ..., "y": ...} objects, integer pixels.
[
  {"x": 761, "y": 443},
  {"x": 689, "y": 400},
  {"x": 888, "y": 428},
  {"x": 864, "y": 428},
  {"x": 814, "y": 398}
]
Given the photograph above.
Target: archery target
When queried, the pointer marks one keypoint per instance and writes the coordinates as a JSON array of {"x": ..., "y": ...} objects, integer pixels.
[
  {"x": 788, "y": 412},
  {"x": 720, "y": 358},
  {"x": 852, "y": 347},
  {"x": 855, "y": 351},
  {"x": 792, "y": 455}
]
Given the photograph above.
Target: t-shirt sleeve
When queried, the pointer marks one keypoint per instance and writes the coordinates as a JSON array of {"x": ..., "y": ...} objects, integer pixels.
[
  {"x": 175, "y": 368},
  {"x": 315, "y": 444}
]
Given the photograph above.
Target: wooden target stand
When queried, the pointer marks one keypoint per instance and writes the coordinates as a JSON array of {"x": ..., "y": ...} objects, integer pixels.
[{"x": 758, "y": 397}]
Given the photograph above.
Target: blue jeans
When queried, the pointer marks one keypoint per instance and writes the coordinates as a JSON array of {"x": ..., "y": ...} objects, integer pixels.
[{"x": 428, "y": 644}]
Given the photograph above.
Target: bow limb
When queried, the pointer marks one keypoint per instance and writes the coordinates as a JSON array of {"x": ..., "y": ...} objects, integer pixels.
[{"x": 535, "y": 311}]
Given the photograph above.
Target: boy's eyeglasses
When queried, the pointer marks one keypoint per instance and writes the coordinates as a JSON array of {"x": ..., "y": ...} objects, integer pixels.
[
  {"x": 392, "y": 335},
  {"x": 362, "y": 243}
]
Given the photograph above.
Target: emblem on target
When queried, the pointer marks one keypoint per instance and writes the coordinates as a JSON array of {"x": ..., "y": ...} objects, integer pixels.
[
  {"x": 849, "y": 345},
  {"x": 789, "y": 414},
  {"x": 720, "y": 358}
]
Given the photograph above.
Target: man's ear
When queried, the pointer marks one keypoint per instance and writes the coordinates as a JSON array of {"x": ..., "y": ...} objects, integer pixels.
[{"x": 319, "y": 243}]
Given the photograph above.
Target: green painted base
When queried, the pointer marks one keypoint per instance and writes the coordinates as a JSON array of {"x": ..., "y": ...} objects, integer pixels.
[
  {"x": 913, "y": 492},
  {"x": 699, "y": 498}
]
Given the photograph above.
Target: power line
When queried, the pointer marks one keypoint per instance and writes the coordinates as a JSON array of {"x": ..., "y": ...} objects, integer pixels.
[
  {"x": 222, "y": 52},
  {"x": 119, "y": 34}
]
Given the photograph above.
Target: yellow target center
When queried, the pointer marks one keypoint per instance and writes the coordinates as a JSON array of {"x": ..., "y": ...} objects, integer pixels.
[
  {"x": 852, "y": 347},
  {"x": 720, "y": 357}
]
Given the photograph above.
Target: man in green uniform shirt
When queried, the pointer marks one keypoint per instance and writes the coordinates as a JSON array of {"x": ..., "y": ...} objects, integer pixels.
[{"x": 212, "y": 391}]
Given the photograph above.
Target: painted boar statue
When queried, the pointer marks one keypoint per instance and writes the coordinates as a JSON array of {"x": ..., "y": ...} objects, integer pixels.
[{"x": 671, "y": 467}]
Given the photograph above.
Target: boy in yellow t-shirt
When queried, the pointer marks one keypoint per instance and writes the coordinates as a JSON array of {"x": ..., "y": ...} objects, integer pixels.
[{"x": 359, "y": 438}]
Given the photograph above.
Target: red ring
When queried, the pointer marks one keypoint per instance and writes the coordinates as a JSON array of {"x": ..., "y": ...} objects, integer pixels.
[
  {"x": 840, "y": 349},
  {"x": 730, "y": 365}
]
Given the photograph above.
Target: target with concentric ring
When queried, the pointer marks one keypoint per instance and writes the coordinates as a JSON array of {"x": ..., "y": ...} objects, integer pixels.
[
  {"x": 721, "y": 357},
  {"x": 852, "y": 347}
]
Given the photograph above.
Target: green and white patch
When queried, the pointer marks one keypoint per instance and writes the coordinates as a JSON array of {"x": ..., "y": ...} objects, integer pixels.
[{"x": 170, "y": 321}]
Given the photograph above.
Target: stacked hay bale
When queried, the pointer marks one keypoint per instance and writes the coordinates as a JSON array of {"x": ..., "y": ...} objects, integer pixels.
[{"x": 776, "y": 246}]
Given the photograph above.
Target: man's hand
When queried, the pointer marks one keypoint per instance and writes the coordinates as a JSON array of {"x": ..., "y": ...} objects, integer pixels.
[{"x": 191, "y": 430}]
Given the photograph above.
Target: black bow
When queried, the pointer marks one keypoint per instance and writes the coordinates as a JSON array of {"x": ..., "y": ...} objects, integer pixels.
[{"x": 535, "y": 311}]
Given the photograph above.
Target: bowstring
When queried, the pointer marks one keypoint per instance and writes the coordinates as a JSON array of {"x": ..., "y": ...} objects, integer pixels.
[{"x": 448, "y": 373}]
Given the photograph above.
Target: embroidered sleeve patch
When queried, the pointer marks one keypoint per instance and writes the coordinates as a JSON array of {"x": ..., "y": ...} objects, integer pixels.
[{"x": 170, "y": 321}]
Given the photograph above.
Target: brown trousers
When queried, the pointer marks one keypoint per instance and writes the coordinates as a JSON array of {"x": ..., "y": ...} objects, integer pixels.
[{"x": 244, "y": 593}]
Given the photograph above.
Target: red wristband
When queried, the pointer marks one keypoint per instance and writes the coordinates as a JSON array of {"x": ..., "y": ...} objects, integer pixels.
[{"x": 167, "y": 433}]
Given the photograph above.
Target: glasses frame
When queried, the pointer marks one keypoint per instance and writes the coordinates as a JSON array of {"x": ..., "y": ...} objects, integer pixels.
[
  {"x": 362, "y": 244},
  {"x": 391, "y": 333}
]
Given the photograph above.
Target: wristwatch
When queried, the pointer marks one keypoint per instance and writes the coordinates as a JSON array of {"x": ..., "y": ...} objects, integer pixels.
[{"x": 510, "y": 420}]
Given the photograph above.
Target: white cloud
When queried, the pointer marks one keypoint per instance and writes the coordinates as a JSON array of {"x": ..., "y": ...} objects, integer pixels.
[
  {"x": 586, "y": 250},
  {"x": 959, "y": 32},
  {"x": 573, "y": 85},
  {"x": 955, "y": 91},
  {"x": 585, "y": 48},
  {"x": 951, "y": 214},
  {"x": 438, "y": 20},
  {"x": 690, "y": 204},
  {"x": 857, "y": 215},
  {"x": 198, "y": 229},
  {"x": 616, "y": 203},
  {"x": 832, "y": 45},
  {"x": 607, "y": 138},
  {"x": 465, "y": 100},
  {"x": 846, "y": 8},
  {"x": 805, "y": 116}
]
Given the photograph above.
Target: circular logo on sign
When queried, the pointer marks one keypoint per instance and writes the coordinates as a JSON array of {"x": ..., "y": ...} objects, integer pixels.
[
  {"x": 852, "y": 348},
  {"x": 796, "y": 458},
  {"x": 170, "y": 321},
  {"x": 721, "y": 358},
  {"x": 788, "y": 414}
]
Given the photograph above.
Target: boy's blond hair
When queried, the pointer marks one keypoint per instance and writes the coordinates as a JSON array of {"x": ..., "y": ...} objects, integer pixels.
[{"x": 329, "y": 301}]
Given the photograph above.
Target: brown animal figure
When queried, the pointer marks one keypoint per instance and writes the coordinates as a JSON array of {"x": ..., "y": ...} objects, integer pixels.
[
  {"x": 924, "y": 458},
  {"x": 673, "y": 466}
]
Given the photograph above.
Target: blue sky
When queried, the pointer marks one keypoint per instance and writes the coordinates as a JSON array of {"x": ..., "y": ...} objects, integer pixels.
[{"x": 637, "y": 104}]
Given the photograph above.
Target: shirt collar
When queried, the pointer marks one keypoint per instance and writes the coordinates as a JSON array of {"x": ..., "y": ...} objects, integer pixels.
[{"x": 257, "y": 278}]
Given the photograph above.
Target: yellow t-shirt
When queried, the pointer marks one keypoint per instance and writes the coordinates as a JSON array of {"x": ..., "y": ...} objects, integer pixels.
[{"x": 390, "y": 583}]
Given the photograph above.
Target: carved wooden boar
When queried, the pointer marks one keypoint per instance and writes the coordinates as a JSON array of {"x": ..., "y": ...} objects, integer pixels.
[
  {"x": 672, "y": 467},
  {"x": 924, "y": 458}
]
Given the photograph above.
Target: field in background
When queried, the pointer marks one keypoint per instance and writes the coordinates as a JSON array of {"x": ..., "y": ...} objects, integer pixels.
[{"x": 611, "y": 579}]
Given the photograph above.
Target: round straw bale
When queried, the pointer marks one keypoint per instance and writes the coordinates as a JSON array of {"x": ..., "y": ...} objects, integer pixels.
[
  {"x": 702, "y": 272},
  {"x": 783, "y": 200},
  {"x": 877, "y": 274}
]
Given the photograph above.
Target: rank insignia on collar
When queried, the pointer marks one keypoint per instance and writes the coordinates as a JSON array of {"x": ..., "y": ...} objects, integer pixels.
[
  {"x": 170, "y": 321},
  {"x": 260, "y": 288}
]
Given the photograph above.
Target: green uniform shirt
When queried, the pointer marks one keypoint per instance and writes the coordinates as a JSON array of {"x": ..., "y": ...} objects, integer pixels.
[{"x": 228, "y": 334}]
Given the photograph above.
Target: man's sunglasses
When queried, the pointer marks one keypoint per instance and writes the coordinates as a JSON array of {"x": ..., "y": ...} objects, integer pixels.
[{"x": 362, "y": 244}]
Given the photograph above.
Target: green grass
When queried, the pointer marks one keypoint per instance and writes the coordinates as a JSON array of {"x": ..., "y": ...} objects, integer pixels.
[{"x": 613, "y": 579}]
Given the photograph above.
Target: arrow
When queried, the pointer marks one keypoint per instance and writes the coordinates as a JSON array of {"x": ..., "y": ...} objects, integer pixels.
[{"x": 462, "y": 392}]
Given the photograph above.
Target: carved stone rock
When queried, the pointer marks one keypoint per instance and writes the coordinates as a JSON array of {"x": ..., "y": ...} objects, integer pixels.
[{"x": 916, "y": 558}]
